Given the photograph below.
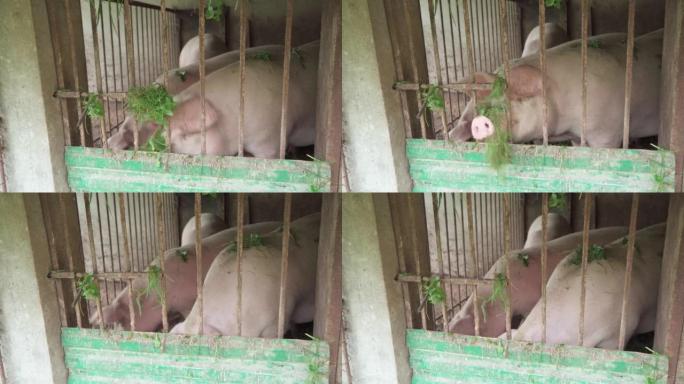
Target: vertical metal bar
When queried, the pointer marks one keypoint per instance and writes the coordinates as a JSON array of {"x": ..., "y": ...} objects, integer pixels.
[
  {"x": 203, "y": 74},
  {"x": 506, "y": 56},
  {"x": 447, "y": 97},
  {"x": 585, "y": 259},
  {"x": 419, "y": 269},
  {"x": 473, "y": 258},
  {"x": 127, "y": 254},
  {"x": 438, "y": 65},
  {"x": 198, "y": 258},
  {"x": 93, "y": 259},
  {"x": 440, "y": 257},
  {"x": 74, "y": 67},
  {"x": 130, "y": 56},
  {"x": 414, "y": 64},
  {"x": 628, "y": 269},
  {"x": 507, "y": 250},
  {"x": 284, "y": 265},
  {"x": 450, "y": 293},
  {"x": 240, "y": 249},
  {"x": 544, "y": 260},
  {"x": 629, "y": 73},
  {"x": 104, "y": 64},
  {"x": 70, "y": 257},
  {"x": 456, "y": 254},
  {"x": 162, "y": 262},
  {"x": 98, "y": 69},
  {"x": 54, "y": 264},
  {"x": 469, "y": 43},
  {"x": 286, "y": 78},
  {"x": 542, "y": 66},
  {"x": 59, "y": 64},
  {"x": 166, "y": 58},
  {"x": 584, "y": 53},
  {"x": 243, "y": 74}
]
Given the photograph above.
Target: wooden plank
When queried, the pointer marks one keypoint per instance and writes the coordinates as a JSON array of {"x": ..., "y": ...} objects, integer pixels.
[
  {"x": 444, "y": 166},
  {"x": 99, "y": 170},
  {"x": 437, "y": 357},
  {"x": 94, "y": 356}
]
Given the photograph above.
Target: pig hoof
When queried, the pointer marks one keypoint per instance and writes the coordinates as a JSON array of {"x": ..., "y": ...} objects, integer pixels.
[{"x": 482, "y": 128}]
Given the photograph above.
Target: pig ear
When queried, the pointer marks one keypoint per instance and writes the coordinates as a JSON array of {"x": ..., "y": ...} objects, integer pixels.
[
  {"x": 525, "y": 81},
  {"x": 189, "y": 115},
  {"x": 484, "y": 78}
]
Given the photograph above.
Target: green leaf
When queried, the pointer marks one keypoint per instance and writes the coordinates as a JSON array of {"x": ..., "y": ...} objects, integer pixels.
[
  {"x": 596, "y": 252},
  {"x": 93, "y": 106},
  {"x": 434, "y": 100},
  {"x": 88, "y": 287},
  {"x": 433, "y": 290},
  {"x": 553, "y": 3}
]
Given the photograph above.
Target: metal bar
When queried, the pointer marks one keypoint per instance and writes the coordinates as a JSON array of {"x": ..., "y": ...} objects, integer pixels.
[
  {"x": 450, "y": 294},
  {"x": 631, "y": 238},
  {"x": 284, "y": 265},
  {"x": 465, "y": 281},
  {"x": 469, "y": 43},
  {"x": 243, "y": 74},
  {"x": 419, "y": 269},
  {"x": 473, "y": 257},
  {"x": 93, "y": 259},
  {"x": 165, "y": 59},
  {"x": 544, "y": 260},
  {"x": 203, "y": 74},
  {"x": 59, "y": 64},
  {"x": 629, "y": 73},
  {"x": 507, "y": 250},
  {"x": 54, "y": 263},
  {"x": 438, "y": 65},
  {"x": 74, "y": 67},
  {"x": 106, "y": 71},
  {"x": 440, "y": 257},
  {"x": 448, "y": 112},
  {"x": 240, "y": 248},
  {"x": 70, "y": 258},
  {"x": 98, "y": 69},
  {"x": 286, "y": 78},
  {"x": 452, "y": 87},
  {"x": 585, "y": 260},
  {"x": 118, "y": 276},
  {"x": 162, "y": 262},
  {"x": 198, "y": 259},
  {"x": 127, "y": 254},
  {"x": 458, "y": 272},
  {"x": 542, "y": 66},
  {"x": 506, "y": 56},
  {"x": 102, "y": 249},
  {"x": 584, "y": 53},
  {"x": 130, "y": 56}
]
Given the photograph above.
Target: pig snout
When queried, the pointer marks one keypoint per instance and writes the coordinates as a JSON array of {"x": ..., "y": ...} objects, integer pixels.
[{"x": 481, "y": 128}]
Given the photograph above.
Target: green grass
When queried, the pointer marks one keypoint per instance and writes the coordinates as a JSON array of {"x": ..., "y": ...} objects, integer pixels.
[
  {"x": 151, "y": 104},
  {"x": 433, "y": 98},
  {"x": 494, "y": 107},
  {"x": 183, "y": 254},
  {"x": 153, "y": 286},
  {"x": 557, "y": 201},
  {"x": 596, "y": 252},
  {"x": 182, "y": 75},
  {"x": 214, "y": 10},
  {"x": 433, "y": 290},
  {"x": 88, "y": 288},
  {"x": 553, "y": 3},
  {"x": 498, "y": 293},
  {"x": 264, "y": 56},
  {"x": 524, "y": 258},
  {"x": 93, "y": 106},
  {"x": 251, "y": 241}
]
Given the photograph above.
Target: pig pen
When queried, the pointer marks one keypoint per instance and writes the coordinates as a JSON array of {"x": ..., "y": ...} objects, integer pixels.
[
  {"x": 105, "y": 48},
  {"x": 101, "y": 243},
  {"x": 439, "y": 46},
  {"x": 436, "y": 250}
]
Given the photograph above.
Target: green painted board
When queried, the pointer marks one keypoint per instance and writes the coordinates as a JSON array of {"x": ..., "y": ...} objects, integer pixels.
[
  {"x": 439, "y": 166},
  {"x": 99, "y": 170},
  {"x": 438, "y": 357},
  {"x": 94, "y": 356}
]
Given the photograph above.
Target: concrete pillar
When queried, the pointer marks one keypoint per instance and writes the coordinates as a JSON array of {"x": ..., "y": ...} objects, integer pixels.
[
  {"x": 29, "y": 316},
  {"x": 34, "y": 153},
  {"x": 374, "y": 133},
  {"x": 373, "y": 303}
]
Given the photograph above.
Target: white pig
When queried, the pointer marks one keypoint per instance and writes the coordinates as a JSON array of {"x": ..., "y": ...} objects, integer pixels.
[
  {"x": 209, "y": 224},
  {"x": 260, "y": 286},
  {"x": 556, "y": 226},
  {"x": 554, "y": 35},
  {"x": 604, "y": 293},
  {"x": 525, "y": 282},
  {"x": 606, "y": 93},
  {"x": 190, "y": 54},
  {"x": 181, "y": 282}
]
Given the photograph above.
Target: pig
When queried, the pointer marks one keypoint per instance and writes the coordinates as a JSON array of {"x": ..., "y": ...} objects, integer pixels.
[
  {"x": 604, "y": 292},
  {"x": 556, "y": 226},
  {"x": 209, "y": 224},
  {"x": 177, "y": 80},
  {"x": 606, "y": 91},
  {"x": 260, "y": 286},
  {"x": 190, "y": 54},
  {"x": 181, "y": 282},
  {"x": 554, "y": 35},
  {"x": 263, "y": 87},
  {"x": 525, "y": 281}
]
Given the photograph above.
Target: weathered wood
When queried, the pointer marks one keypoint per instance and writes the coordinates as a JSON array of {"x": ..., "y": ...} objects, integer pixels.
[
  {"x": 93, "y": 356},
  {"x": 444, "y": 166},
  {"x": 438, "y": 357},
  {"x": 98, "y": 170},
  {"x": 672, "y": 97}
]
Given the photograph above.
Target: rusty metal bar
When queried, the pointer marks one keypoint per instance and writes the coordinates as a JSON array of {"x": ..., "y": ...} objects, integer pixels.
[
  {"x": 54, "y": 263},
  {"x": 165, "y": 60},
  {"x": 70, "y": 258},
  {"x": 449, "y": 111},
  {"x": 284, "y": 265},
  {"x": 91, "y": 249},
  {"x": 203, "y": 75},
  {"x": 584, "y": 53},
  {"x": 74, "y": 67},
  {"x": 243, "y": 74},
  {"x": 631, "y": 239},
  {"x": 469, "y": 43},
  {"x": 466, "y": 281},
  {"x": 66, "y": 275},
  {"x": 506, "y": 57},
  {"x": 585, "y": 261},
  {"x": 416, "y": 261},
  {"x": 162, "y": 262},
  {"x": 507, "y": 250},
  {"x": 286, "y": 78},
  {"x": 473, "y": 258},
  {"x": 127, "y": 255},
  {"x": 542, "y": 66},
  {"x": 240, "y": 249},
  {"x": 98, "y": 69},
  {"x": 629, "y": 73},
  {"x": 544, "y": 260},
  {"x": 59, "y": 64},
  {"x": 440, "y": 257},
  {"x": 451, "y": 87},
  {"x": 438, "y": 64},
  {"x": 198, "y": 259},
  {"x": 130, "y": 56}
]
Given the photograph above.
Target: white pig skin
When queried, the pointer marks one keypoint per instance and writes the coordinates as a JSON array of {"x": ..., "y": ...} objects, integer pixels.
[
  {"x": 556, "y": 226},
  {"x": 554, "y": 35},
  {"x": 604, "y": 292},
  {"x": 209, "y": 225},
  {"x": 190, "y": 54}
]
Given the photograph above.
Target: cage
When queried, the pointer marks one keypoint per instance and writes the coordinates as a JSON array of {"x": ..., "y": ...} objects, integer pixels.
[
  {"x": 115, "y": 296},
  {"x": 474, "y": 296},
  {"x": 110, "y": 54},
  {"x": 457, "y": 66}
]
